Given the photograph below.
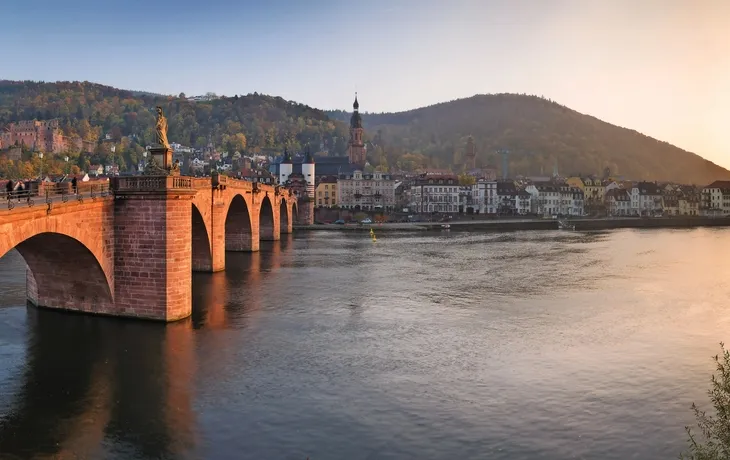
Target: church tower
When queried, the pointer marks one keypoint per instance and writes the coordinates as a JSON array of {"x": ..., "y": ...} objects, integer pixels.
[{"x": 356, "y": 148}]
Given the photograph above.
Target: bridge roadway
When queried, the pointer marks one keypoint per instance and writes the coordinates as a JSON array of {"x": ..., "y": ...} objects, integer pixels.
[{"x": 131, "y": 251}]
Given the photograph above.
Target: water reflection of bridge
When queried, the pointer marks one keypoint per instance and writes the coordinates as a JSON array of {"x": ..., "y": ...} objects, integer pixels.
[{"x": 96, "y": 387}]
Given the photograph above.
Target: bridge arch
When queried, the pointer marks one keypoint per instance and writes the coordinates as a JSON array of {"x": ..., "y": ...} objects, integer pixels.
[
  {"x": 64, "y": 271},
  {"x": 266, "y": 220},
  {"x": 284, "y": 217},
  {"x": 201, "y": 242},
  {"x": 238, "y": 228}
]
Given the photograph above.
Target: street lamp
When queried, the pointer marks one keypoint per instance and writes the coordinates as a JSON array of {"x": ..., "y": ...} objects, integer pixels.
[
  {"x": 66, "y": 160},
  {"x": 40, "y": 155}
]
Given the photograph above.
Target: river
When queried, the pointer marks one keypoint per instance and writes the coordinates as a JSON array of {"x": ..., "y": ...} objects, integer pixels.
[{"x": 524, "y": 345}]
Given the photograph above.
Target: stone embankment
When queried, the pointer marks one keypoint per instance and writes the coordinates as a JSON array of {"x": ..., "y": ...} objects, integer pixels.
[{"x": 504, "y": 225}]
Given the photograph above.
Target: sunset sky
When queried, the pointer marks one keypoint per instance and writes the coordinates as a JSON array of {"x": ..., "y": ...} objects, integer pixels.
[{"x": 661, "y": 67}]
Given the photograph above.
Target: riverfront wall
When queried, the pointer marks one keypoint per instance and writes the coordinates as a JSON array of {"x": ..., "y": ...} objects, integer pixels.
[{"x": 497, "y": 225}]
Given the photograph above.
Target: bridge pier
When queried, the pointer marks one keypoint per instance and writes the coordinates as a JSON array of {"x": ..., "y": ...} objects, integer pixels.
[
  {"x": 131, "y": 252},
  {"x": 218, "y": 232},
  {"x": 153, "y": 247},
  {"x": 268, "y": 218},
  {"x": 306, "y": 211}
]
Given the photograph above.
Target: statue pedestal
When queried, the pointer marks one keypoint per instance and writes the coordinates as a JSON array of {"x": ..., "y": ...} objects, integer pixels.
[
  {"x": 161, "y": 163},
  {"x": 162, "y": 156}
]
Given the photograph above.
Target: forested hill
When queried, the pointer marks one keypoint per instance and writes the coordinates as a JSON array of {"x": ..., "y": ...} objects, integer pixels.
[
  {"x": 91, "y": 110},
  {"x": 538, "y": 133}
]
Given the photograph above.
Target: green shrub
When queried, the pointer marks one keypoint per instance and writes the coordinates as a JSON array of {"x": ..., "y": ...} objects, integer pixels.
[{"x": 713, "y": 441}]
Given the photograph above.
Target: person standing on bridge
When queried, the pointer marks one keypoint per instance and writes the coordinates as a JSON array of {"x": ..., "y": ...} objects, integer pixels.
[
  {"x": 21, "y": 189},
  {"x": 73, "y": 184},
  {"x": 9, "y": 189}
]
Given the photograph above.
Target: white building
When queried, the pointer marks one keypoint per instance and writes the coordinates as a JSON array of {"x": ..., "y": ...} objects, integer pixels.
[
  {"x": 646, "y": 199},
  {"x": 545, "y": 198},
  {"x": 285, "y": 168},
  {"x": 196, "y": 164},
  {"x": 308, "y": 173},
  {"x": 613, "y": 185},
  {"x": 435, "y": 194},
  {"x": 524, "y": 202},
  {"x": 366, "y": 191},
  {"x": 486, "y": 196},
  {"x": 716, "y": 198},
  {"x": 576, "y": 204},
  {"x": 618, "y": 202},
  {"x": 506, "y": 198}
]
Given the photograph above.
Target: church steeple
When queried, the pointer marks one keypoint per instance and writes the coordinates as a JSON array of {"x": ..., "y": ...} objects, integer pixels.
[
  {"x": 356, "y": 149},
  {"x": 355, "y": 119}
]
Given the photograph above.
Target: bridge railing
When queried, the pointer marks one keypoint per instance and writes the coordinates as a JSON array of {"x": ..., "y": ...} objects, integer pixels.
[
  {"x": 150, "y": 183},
  {"x": 54, "y": 193}
]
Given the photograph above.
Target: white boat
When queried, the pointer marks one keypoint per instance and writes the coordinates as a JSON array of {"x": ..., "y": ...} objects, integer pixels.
[{"x": 445, "y": 226}]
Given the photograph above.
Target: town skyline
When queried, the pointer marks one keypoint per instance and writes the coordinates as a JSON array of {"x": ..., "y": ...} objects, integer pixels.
[{"x": 659, "y": 68}]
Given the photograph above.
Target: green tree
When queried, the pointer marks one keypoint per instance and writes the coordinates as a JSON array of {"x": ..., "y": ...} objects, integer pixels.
[
  {"x": 713, "y": 442},
  {"x": 466, "y": 179}
]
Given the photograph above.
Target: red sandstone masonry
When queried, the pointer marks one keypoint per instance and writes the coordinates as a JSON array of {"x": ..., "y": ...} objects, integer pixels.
[
  {"x": 218, "y": 237},
  {"x": 238, "y": 226},
  {"x": 268, "y": 220},
  {"x": 133, "y": 256},
  {"x": 201, "y": 251},
  {"x": 179, "y": 259},
  {"x": 140, "y": 257},
  {"x": 69, "y": 249},
  {"x": 285, "y": 217},
  {"x": 153, "y": 260}
]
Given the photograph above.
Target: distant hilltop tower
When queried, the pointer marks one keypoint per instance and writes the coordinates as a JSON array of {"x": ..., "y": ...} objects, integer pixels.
[
  {"x": 308, "y": 172},
  {"x": 471, "y": 154},
  {"x": 356, "y": 147},
  {"x": 285, "y": 168}
]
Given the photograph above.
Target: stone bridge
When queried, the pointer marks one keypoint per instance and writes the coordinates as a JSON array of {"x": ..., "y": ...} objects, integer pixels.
[{"x": 131, "y": 251}]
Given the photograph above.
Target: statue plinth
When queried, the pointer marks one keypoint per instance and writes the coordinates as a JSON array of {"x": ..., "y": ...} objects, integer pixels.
[
  {"x": 162, "y": 155},
  {"x": 160, "y": 163}
]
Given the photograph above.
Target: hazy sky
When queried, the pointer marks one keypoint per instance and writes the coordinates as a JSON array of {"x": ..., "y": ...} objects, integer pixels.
[{"x": 661, "y": 67}]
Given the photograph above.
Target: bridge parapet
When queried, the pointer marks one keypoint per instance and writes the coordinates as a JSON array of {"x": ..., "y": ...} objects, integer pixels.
[{"x": 150, "y": 183}]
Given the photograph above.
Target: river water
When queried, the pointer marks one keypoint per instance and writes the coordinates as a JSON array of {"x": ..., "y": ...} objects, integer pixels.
[{"x": 526, "y": 345}]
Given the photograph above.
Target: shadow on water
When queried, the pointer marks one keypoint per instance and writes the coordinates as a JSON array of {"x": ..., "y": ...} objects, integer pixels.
[
  {"x": 227, "y": 298},
  {"x": 90, "y": 379},
  {"x": 96, "y": 387}
]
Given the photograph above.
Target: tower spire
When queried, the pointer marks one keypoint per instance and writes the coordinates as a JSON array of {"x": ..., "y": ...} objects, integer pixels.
[{"x": 356, "y": 148}]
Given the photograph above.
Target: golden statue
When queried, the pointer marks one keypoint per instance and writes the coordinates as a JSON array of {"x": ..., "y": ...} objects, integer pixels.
[{"x": 161, "y": 128}]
